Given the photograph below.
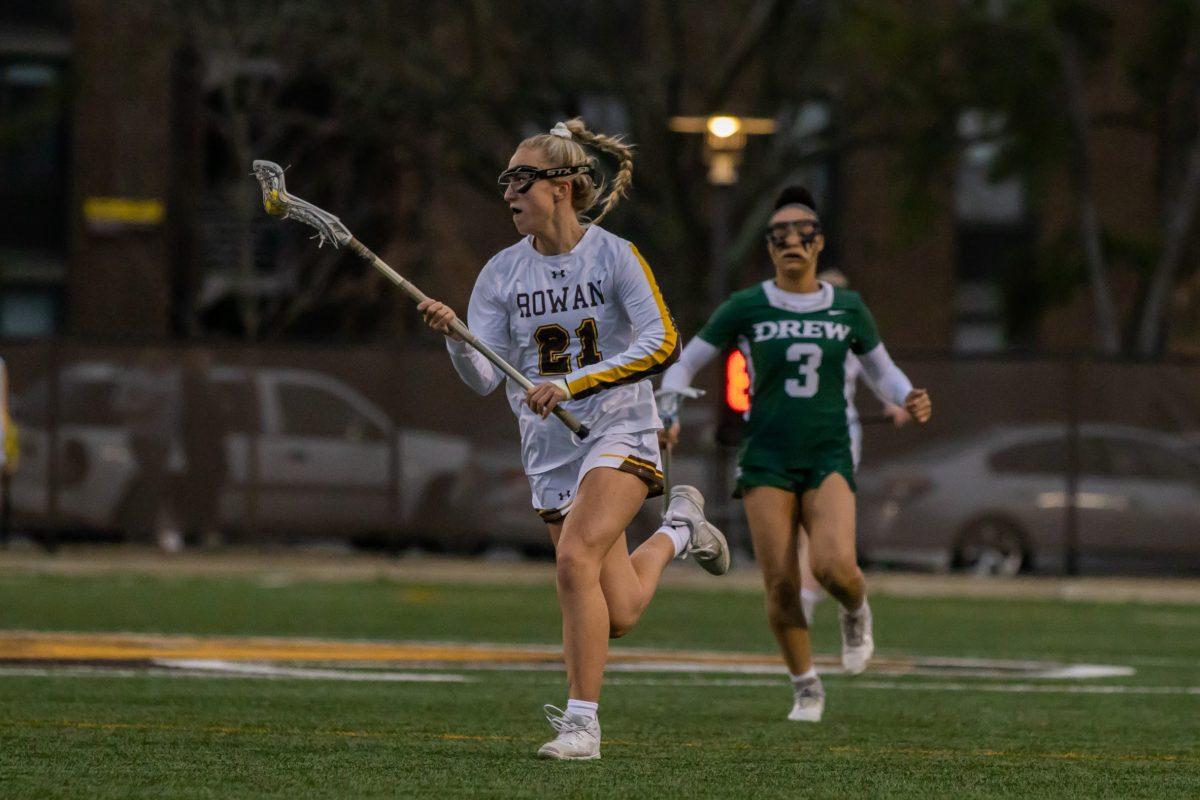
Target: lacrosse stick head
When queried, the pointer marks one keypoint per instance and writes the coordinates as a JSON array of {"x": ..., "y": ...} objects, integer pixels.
[{"x": 278, "y": 203}]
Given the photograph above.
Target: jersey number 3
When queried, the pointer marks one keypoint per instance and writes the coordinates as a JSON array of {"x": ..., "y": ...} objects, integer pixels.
[
  {"x": 809, "y": 356},
  {"x": 553, "y": 341}
]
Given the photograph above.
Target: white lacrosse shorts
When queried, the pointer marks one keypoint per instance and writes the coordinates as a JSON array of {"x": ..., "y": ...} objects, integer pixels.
[{"x": 635, "y": 453}]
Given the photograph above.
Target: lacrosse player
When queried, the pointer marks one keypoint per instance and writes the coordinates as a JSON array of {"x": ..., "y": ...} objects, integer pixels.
[
  {"x": 577, "y": 311},
  {"x": 810, "y": 588},
  {"x": 795, "y": 463}
]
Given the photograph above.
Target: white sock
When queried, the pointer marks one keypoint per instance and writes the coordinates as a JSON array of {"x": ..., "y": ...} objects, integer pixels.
[
  {"x": 582, "y": 708},
  {"x": 802, "y": 680},
  {"x": 680, "y": 536},
  {"x": 854, "y": 612}
]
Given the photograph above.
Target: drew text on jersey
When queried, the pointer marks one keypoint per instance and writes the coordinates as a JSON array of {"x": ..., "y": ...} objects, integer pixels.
[{"x": 800, "y": 329}]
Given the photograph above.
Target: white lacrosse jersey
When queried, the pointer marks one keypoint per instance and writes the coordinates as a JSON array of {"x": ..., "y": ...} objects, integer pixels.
[{"x": 594, "y": 317}]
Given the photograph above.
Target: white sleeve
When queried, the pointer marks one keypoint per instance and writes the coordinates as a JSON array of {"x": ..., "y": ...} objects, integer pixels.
[
  {"x": 475, "y": 370},
  {"x": 852, "y": 363},
  {"x": 884, "y": 377},
  {"x": 655, "y": 345},
  {"x": 488, "y": 320},
  {"x": 696, "y": 355}
]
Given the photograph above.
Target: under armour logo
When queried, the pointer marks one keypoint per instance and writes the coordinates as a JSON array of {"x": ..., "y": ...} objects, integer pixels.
[
  {"x": 558, "y": 273},
  {"x": 564, "y": 495}
]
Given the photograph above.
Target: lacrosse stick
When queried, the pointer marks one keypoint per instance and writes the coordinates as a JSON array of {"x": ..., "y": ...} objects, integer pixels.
[
  {"x": 669, "y": 401},
  {"x": 279, "y": 203}
]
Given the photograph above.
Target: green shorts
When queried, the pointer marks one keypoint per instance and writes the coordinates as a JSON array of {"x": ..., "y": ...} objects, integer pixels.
[{"x": 793, "y": 477}]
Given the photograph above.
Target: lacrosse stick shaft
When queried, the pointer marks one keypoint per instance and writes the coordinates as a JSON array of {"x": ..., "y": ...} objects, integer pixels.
[
  {"x": 666, "y": 462},
  {"x": 406, "y": 286}
]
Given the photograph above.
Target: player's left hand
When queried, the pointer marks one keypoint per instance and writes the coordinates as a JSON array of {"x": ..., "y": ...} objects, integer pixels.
[
  {"x": 543, "y": 397},
  {"x": 919, "y": 405}
]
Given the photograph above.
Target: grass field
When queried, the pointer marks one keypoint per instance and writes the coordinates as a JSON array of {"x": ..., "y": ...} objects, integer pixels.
[{"x": 76, "y": 728}]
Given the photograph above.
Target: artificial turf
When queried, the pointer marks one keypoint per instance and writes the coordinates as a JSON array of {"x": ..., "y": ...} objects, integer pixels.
[{"x": 666, "y": 734}]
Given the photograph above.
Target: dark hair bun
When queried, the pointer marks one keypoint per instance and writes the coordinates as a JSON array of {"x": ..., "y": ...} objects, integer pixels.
[{"x": 795, "y": 194}]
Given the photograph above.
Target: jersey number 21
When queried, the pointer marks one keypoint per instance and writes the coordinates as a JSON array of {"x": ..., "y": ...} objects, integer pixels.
[{"x": 553, "y": 341}]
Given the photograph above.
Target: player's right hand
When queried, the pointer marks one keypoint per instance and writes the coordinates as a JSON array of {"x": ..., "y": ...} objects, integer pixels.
[
  {"x": 919, "y": 405},
  {"x": 668, "y": 436},
  {"x": 439, "y": 316}
]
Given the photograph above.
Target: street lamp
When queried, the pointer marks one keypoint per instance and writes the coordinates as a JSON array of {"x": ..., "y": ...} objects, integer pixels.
[{"x": 724, "y": 140}]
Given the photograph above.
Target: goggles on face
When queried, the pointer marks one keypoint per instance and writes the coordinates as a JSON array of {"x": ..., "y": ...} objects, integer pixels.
[
  {"x": 524, "y": 176},
  {"x": 806, "y": 229}
]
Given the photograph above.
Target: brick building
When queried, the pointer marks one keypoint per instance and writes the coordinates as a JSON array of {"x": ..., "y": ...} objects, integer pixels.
[{"x": 102, "y": 237}]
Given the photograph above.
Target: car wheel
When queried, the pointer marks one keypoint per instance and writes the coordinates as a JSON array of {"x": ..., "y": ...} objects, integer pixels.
[{"x": 991, "y": 547}]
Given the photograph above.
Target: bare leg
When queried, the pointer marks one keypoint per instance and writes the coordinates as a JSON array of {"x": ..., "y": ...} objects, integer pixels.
[
  {"x": 606, "y": 502},
  {"x": 772, "y": 515},
  {"x": 828, "y": 516},
  {"x": 629, "y": 580}
]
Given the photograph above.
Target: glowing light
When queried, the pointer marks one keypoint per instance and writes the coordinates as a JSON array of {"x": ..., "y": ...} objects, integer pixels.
[
  {"x": 723, "y": 127},
  {"x": 737, "y": 383}
]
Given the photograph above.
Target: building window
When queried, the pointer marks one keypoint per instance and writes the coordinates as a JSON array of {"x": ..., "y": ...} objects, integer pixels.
[
  {"x": 35, "y": 236},
  {"x": 993, "y": 235},
  {"x": 33, "y": 183},
  {"x": 30, "y": 312}
]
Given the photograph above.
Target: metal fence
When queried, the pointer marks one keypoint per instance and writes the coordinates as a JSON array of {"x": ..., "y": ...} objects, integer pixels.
[{"x": 1045, "y": 464}]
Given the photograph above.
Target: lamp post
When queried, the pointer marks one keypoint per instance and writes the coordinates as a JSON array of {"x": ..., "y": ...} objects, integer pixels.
[{"x": 725, "y": 138}]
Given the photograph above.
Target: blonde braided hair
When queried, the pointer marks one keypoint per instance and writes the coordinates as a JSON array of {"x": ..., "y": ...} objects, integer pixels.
[{"x": 585, "y": 193}]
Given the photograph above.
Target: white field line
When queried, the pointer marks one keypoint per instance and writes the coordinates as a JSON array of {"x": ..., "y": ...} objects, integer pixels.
[
  {"x": 960, "y": 668},
  {"x": 1005, "y": 688},
  {"x": 1031, "y": 688},
  {"x": 932, "y": 668},
  {"x": 273, "y": 671},
  {"x": 216, "y": 669},
  {"x": 1051, "y": 672}
]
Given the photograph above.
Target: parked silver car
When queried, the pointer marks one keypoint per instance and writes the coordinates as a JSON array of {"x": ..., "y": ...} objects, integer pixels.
[
  {"x": 996, "y": 502},
  {"x": 315, "y": 455}
]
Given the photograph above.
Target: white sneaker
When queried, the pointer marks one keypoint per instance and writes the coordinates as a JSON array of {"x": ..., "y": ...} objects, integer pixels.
[
  {"x": 810, "y": 702},
  {"x": 578, "y": 736},
  {"x": 707, "y": 543},
  {"x": 858, "y": 643}
]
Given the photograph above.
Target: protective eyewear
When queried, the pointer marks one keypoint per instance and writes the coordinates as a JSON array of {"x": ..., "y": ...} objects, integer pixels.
[
  {"x": 524, "y": 176},
  {"x": 806, "y": 229}
]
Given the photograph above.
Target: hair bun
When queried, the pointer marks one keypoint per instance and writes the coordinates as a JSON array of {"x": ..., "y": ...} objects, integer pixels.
[{"x": 792, "y": 195}]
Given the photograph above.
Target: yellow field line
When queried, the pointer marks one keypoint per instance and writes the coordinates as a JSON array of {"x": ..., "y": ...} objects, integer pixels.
[{"x": 29, "y": 645}]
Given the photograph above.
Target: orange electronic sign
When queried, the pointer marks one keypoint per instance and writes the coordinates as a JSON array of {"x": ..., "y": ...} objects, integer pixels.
[{"x": 737, "y": 383}]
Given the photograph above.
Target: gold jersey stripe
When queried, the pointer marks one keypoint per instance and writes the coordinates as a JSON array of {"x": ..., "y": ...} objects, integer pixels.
[
  {"x": 645, "y": 461},
  {"x": 647, "y": 365},
  {"x": 650, "y": 465}
]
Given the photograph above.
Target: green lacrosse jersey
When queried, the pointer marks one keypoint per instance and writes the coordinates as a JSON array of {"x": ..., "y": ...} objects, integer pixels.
[{"x": 795, "y": 347}]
